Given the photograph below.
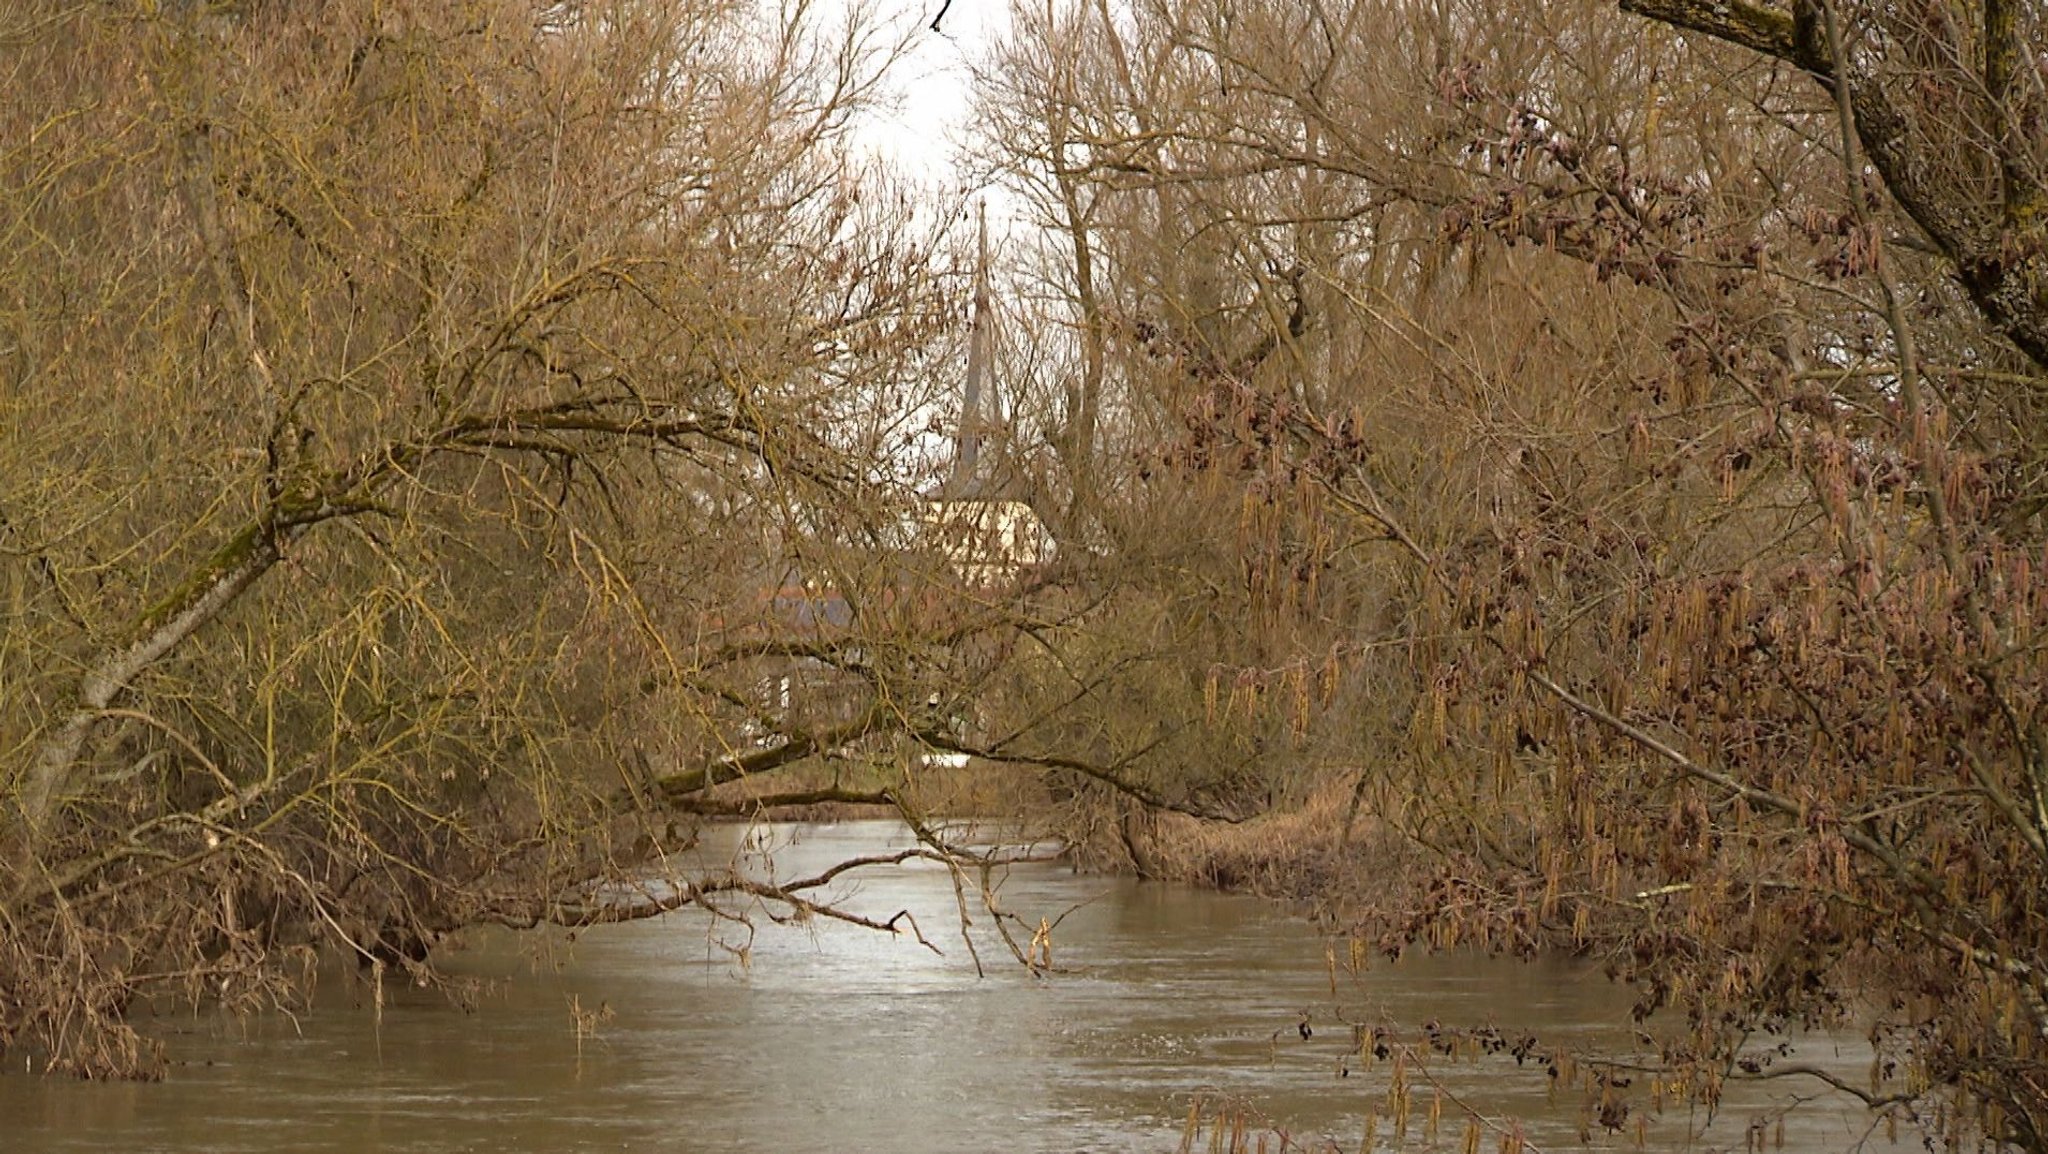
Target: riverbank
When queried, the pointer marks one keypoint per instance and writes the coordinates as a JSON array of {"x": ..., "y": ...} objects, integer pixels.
[{"x": 1321, "y": 857}]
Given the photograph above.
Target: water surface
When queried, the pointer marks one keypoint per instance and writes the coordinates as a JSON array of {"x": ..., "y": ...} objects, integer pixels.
[{"x": 826, "y": 1037}]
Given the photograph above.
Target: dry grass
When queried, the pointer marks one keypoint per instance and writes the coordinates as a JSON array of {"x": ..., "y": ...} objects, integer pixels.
[{"x": 1297, "y": 854}]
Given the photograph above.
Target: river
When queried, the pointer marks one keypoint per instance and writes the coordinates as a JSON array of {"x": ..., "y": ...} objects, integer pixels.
[{"x": 833, "y": 1038}]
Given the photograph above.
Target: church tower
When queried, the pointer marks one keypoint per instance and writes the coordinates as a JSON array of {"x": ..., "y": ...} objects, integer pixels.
[{"x": 981, "y": 511}]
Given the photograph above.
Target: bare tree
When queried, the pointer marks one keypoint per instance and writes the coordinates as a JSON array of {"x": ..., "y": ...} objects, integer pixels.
[
  {"x": 399, "y": 405},
  {"x": 1657, "y": 484}
]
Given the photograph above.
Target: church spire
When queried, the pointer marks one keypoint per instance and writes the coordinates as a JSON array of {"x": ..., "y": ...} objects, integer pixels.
[{"x": 974, "y": 423}]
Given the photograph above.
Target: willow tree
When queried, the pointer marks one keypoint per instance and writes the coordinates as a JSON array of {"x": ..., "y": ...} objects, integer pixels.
[
  {"x": 1648, "y": 429},
  {"x": 403, "y": 411}
]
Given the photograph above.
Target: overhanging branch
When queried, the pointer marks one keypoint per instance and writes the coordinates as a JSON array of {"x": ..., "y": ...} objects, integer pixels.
[
  {"x": 1110, "y": 774},
  {"x": 678, "y": 787}
]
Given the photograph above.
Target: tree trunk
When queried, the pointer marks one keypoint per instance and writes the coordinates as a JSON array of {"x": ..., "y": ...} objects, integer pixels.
[{"x": 230, "y": 571}]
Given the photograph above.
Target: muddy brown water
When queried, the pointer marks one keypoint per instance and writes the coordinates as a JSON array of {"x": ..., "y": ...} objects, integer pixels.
[{"x": 833, "y": 1038}]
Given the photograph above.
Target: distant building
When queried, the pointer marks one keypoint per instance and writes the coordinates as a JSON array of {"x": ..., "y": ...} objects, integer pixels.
[
  {"x": 978, "y": 521},
  {"x": 980, "y": 518},
  {"x": 808, "y": 608},
  {"x": 796, "y": 690}
]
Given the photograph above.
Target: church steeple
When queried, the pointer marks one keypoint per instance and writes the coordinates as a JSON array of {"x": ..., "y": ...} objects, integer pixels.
[
  {"x": 981, "y": 515},
  {"x": 980, "y": 408}
]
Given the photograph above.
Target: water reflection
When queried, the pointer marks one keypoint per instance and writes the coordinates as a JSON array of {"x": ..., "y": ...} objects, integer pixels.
[{"x": 833, "y": 1038}]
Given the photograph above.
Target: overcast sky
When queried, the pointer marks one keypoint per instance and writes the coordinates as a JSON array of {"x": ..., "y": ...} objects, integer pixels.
[{"x": 919, "y": 135}]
